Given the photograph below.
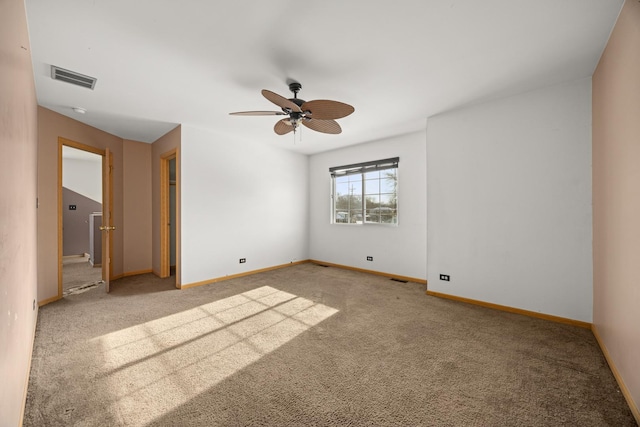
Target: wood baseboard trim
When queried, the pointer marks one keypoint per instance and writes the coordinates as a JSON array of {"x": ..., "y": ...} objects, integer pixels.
[
  {"x": 377, "y": 273},
  {"x": 48, "y": 300},
  {"x": 506, "y": 308},
  {"x": 616, "y": 375},
  {"x": 246, "y": 273},
  {"x": 135, "y": 273}
]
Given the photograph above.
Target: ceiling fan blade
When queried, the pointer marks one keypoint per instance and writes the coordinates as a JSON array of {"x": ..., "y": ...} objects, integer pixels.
[
  {"x": 282, "y": 127},
  {"x": 280, "y": 101},
  {"x": 258, "y": 113},
  {"x": 324, "y": 126},
  {"x": 325, "y": 109}
]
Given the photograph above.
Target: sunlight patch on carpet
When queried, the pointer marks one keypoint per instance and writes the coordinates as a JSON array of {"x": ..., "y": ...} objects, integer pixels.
[{"x": 154, "y": 367}]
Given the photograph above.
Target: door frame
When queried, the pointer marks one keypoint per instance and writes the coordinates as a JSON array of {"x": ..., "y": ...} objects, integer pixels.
[
  {"x": 73, "y": 144},
  {"x": 107, "y": 227},
  {"x": 165, "y": 215}
]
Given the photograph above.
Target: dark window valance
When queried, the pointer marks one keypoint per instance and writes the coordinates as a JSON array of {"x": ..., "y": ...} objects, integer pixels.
[{"x": 365, "y": 167}]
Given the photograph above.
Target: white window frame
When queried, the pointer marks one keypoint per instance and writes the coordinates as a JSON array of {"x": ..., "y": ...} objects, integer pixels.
[{"x": 361, "y": 170}]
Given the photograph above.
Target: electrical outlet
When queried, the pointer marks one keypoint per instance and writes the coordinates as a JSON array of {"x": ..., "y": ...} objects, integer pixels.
[
  {"x": 243, "y": 260},
  {"x": 369, "y": 258},
  {"x": 445, "y": 277},
  {"x": 72, "y": 207}
]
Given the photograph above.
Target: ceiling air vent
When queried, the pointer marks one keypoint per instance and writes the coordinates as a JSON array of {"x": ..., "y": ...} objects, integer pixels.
[{"x": 72, "y": 77}]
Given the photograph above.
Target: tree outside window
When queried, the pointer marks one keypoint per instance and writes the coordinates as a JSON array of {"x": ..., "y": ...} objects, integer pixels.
[{"x": 366, "y": 193}]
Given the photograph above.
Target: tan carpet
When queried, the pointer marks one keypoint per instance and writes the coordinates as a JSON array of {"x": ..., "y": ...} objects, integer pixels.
[
  {"x": 78, "y": 275},
  {"x": 309, "y": 345}
]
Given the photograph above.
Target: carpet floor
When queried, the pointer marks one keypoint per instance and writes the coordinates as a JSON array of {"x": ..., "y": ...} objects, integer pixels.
[
  {"x": 309, "y": 346},
  {"x": 79, "y": 275}
]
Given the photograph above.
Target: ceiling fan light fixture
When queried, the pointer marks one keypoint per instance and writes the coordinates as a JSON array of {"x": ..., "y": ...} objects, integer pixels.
[{"x": 318, "y": 115}]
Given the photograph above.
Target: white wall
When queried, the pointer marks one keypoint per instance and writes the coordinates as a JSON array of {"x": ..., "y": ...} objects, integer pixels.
[
  {"x": 397, "y": 250},
  {"x": 509, "y": 214},
  {"x": 82, "y": 175},
  {"x": 240, "y": 200}
]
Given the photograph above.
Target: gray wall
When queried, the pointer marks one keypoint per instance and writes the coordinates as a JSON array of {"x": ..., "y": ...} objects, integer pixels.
[
  {"x": 509, "y": 212},
  {"x": 75, "y": 224},
  {"x": 400, "y": 250},
  {"x": 238, "y": 200}
]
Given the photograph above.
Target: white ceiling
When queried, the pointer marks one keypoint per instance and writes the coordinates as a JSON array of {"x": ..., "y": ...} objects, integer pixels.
[{"x": 161, "y": 63}]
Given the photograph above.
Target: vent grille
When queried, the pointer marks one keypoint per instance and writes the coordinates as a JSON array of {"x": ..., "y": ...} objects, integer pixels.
[{"x": 72, "y": 77}]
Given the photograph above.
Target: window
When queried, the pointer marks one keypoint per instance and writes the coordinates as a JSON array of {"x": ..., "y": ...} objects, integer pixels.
[{"x": 365, "y": 192}]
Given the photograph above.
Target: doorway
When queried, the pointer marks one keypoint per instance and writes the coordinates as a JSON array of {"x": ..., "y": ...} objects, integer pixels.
[
  {"x": 172, "y": 216},
  {"x": 169, "y": 188},
  {"x": 81, "y": 205}
]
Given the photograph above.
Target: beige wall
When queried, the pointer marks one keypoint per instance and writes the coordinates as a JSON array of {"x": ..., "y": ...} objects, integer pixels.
[
  {"x": 18, "y": 163},
  {"x": 616, "y": 199},
  {"x": 131, "y": 198},
  {"x": 168, "y": 142},
  {"x": 137, "y": 207},
  {"x": 52, "y": 125}
]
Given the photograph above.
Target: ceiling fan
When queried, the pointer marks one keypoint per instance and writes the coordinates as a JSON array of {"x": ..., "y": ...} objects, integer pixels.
[{"x": 318, "y": 115}]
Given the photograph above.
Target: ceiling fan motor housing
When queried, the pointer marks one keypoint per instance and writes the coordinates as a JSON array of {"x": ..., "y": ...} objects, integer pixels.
[{"x": 296, "y": 101}]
